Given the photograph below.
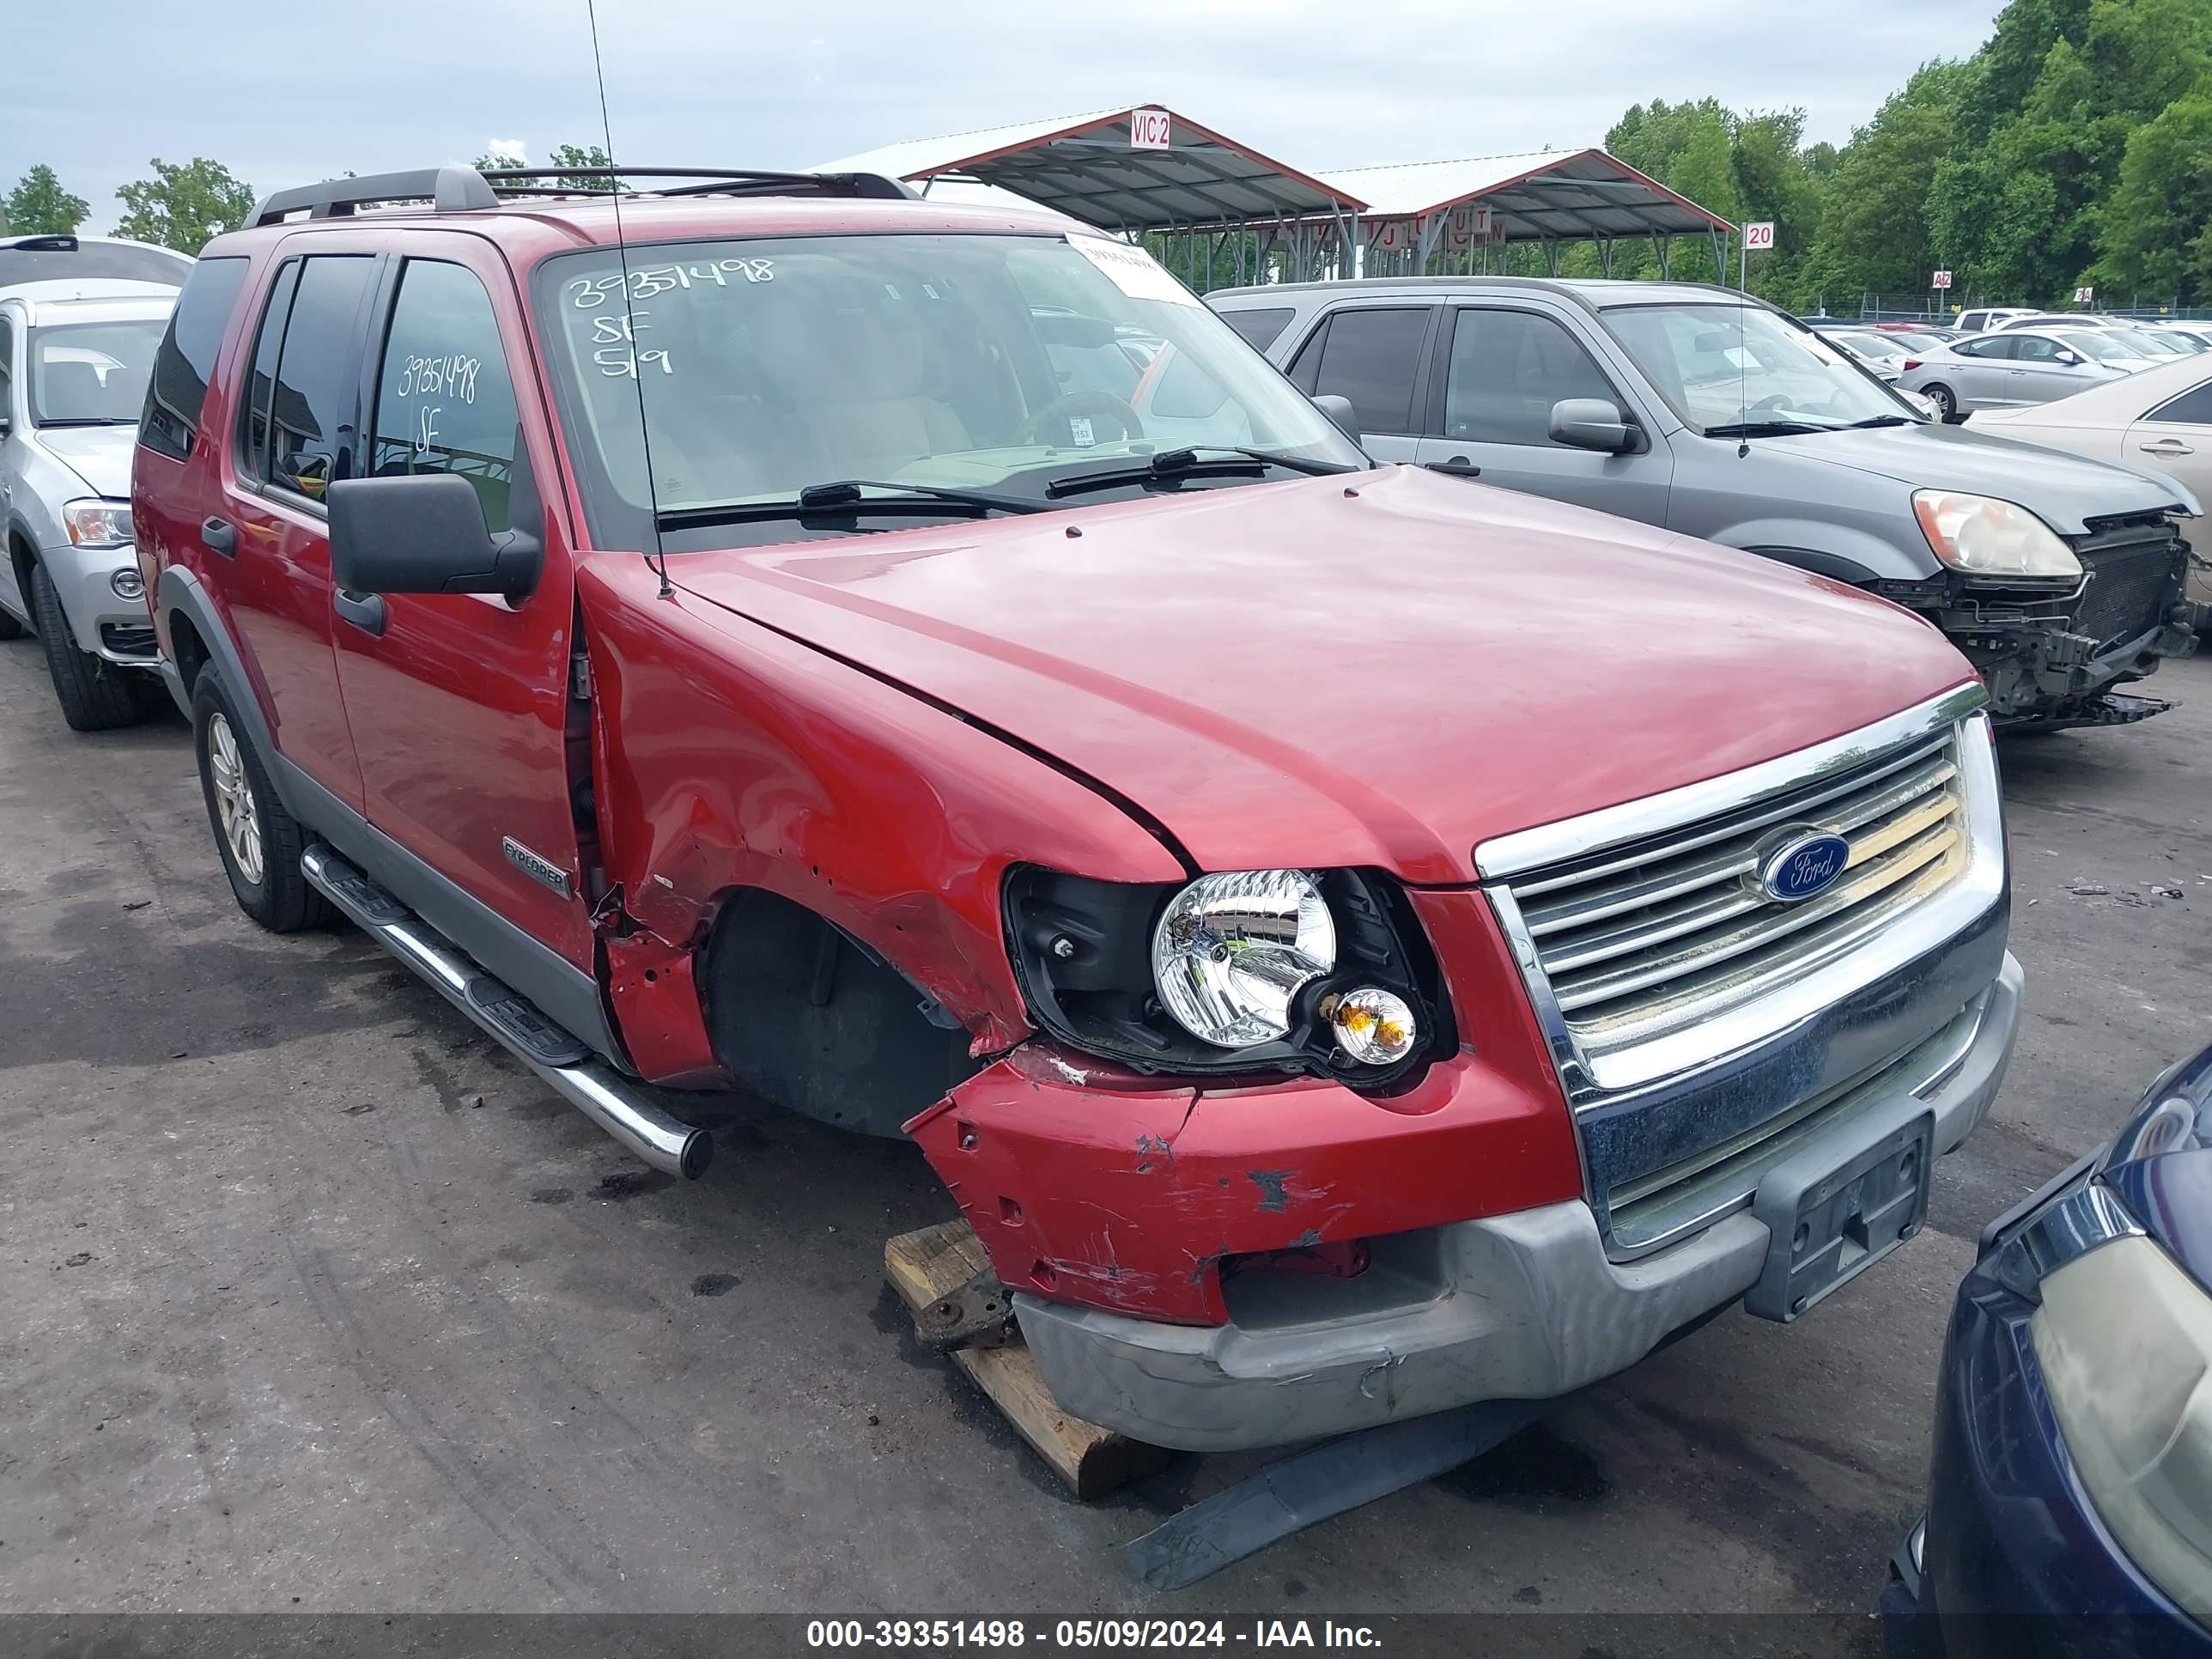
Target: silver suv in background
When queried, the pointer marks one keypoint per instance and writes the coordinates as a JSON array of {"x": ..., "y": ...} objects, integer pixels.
[
  {"x": 1695, "y": 409},
  {"x": 75, "y": 353}
]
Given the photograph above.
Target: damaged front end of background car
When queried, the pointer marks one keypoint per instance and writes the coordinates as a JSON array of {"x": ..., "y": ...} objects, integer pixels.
[{"x": 2055, "y": 625}]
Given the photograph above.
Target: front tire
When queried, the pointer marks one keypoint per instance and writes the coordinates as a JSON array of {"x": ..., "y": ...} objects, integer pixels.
[
  {"x": 260, "y": 841},
  {"x": 95, "y": 696},
  {"x": 1947, "y": 404}
]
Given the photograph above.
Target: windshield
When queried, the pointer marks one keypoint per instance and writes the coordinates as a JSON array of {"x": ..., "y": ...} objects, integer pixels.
[
  {"x": 2147, "y": 345},
  {"x": 2100, "y": 347},
  {"x": 1870, "y": 345},
  {"x": 1723, "y": 365},
  {"x": 1912, "y": 341},
  {"x": 993, "y": 364},
  {"x": 92, "y": 373}
]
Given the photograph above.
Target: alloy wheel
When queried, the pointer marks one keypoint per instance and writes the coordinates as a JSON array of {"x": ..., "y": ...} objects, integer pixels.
[{"x": 234, "y": 799}]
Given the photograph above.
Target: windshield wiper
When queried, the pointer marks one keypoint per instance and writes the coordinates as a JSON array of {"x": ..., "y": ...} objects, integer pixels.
[
  {"x": 843, "y": 498},
  {"x": 1767, "y": 429},
  {"x": 1173, "y": 464},
  {"x": 90, "y": 420},
  {"x": 1881, "y": 420}
]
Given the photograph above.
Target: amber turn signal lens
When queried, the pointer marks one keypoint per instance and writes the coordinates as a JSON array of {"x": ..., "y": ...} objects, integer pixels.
[{"x": 1374, "y": 1027}]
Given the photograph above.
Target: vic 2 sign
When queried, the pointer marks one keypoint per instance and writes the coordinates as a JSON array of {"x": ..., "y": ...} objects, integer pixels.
[
  {"x": 1759, "y": 235},
  {"x": 1148, "y": 130}
]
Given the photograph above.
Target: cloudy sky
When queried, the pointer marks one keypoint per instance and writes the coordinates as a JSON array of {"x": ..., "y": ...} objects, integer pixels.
[{"x": 292, "y": 95}]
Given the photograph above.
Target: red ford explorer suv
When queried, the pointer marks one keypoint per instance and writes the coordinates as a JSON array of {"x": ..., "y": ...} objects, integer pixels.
[{"x": 1352, "y": 942}]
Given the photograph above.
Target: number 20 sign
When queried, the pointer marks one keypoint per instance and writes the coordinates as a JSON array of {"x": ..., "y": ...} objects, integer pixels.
[{"x": 1760, "y": 236}]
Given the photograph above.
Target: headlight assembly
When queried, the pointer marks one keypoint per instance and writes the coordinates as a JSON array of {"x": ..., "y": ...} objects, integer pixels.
[
  {"x": 97, "y": 522},
  {"x": 1231, "y": 951},
  {"x": 1247, "y": 971},
  {"x": 2124, "y": 1342},
  {"x": 1981, "y": 536}
]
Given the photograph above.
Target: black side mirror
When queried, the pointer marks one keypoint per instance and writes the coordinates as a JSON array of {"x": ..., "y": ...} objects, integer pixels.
[
  {"x": 1339, "y": 409},
  {"x": 1592, "y": 423},
  {"x": 424, "y": 532}
]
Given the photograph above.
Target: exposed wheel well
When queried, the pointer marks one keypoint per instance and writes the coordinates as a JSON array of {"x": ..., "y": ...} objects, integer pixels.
[
  {"x": 804, "y": 1015},
  {"x": 187, "y": 647},
  {"x": 21, "y": 556}
]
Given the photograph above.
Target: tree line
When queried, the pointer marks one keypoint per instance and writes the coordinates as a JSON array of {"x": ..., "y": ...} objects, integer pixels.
[
  {"x": 186, "y": 205},
  {"x": 2074, "y": 149}
]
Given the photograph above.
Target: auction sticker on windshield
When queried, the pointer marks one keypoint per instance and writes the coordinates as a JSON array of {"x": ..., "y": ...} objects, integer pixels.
[{"x": 1132, "y": 270}]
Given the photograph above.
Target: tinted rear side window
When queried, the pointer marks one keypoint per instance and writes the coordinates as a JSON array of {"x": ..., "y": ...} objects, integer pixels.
[
  {"x": 174, "y": 397},
  {"x": 313, "y": 403},
  {"x": 254, "y": 428},
  {"x": 2192, "y": 408},
  {"x": 1259, "y": 328},
  {"x": 1369, "y": 357}
]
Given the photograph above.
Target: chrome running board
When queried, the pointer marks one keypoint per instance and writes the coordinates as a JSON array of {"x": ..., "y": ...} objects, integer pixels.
[{"x": 588, "y": 1083}]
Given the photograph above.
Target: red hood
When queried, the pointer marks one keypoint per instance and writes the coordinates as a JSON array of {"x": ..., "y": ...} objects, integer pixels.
[{"x": 1294, "y": 674}]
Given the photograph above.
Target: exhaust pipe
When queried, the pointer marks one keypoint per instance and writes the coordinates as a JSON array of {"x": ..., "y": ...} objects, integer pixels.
[{"x": 588, "y": 1083}]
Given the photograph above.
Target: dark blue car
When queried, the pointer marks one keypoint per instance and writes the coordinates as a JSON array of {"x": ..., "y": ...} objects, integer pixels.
[{"x": 2071, "y": 1501}]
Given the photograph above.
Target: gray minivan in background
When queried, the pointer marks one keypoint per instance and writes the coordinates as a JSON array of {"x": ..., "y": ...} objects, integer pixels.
[{"x": 1692, "y": 408}]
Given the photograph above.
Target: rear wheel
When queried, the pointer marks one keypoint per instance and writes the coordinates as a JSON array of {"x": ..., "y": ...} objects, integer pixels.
[
  {"x": 260, "y": 842},
  {"x": 95, "y": 696},
  {"x": 1946, "y": 405}
]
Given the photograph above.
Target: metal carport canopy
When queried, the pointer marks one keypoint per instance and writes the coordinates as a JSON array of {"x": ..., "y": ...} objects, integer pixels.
[
  {"x": 1086, "y": 166},
  {"x": 1549, "y": 196}
]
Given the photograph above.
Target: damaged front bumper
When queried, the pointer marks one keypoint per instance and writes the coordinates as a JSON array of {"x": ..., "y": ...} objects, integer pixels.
[
  {"x": 2050, "y": 654},
  {"x": 2043, "y": 675},
  {"x": 1523, "y": 1305}
]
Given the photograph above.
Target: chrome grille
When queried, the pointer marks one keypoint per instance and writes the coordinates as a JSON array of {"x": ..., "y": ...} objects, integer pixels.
[{"x": 1646, "y": 938}]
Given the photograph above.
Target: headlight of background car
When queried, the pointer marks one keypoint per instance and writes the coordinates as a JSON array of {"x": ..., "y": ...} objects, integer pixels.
[
  {"x": 98, "y": 524},
  {"x": 1320, "y": 972},
  {"x": 1982, "y": 535},
  {"x": 2124, "y": 1342}
]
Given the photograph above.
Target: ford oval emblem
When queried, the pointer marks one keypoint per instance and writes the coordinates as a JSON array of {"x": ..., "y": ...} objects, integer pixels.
[{"x": 1803, "y": 866}]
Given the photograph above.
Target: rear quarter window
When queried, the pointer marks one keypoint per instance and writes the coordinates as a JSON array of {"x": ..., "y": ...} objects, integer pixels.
[{"x": 170, "y": 421}]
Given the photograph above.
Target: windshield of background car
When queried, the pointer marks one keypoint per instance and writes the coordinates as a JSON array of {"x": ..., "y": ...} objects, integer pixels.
[
  {"x": 1721, "y": 365},
  {"x": 992, "y": 362},
  {"x": 1870, "y": 344},
  {"x": 2099, "y": 348},
  {"x": 92, "y": 373},
  {"x": 1915, "y": 342}
]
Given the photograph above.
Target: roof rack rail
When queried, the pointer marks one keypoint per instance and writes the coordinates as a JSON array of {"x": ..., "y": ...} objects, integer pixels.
[
  {"x": 460, "y": 190},
  {"x": 452, "y": 190},
  {"x": 709, "y": 181}
]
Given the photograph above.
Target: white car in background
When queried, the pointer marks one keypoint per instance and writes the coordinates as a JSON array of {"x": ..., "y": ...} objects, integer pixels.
[
  {"x": 2008, "y": 368},
  {"x": 2158, "y": 422},
  {"x": 77, "y": 343}
]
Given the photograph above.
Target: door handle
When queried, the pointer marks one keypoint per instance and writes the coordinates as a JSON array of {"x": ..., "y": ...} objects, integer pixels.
[
  {"x": 364, "y": 611},
  {"x": 1457, "y": 467},
  {"x": 2166, "y": 447},
  {"x": 220, "y": 537}
]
